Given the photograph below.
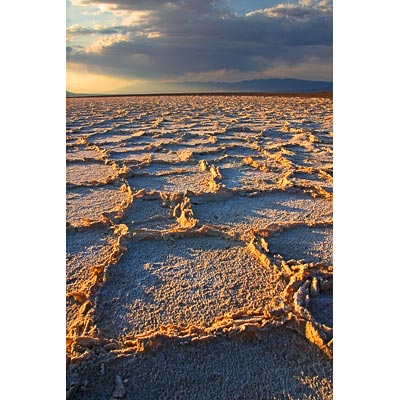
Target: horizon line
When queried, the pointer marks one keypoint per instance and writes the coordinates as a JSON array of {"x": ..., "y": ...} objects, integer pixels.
[{"x": 321, "y": 93}]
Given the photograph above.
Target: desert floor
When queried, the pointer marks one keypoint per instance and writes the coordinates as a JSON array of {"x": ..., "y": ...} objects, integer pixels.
[{"x": 199, "y": 247}]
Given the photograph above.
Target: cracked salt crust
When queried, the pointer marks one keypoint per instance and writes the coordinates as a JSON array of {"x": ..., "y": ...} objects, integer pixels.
[{"x": 200, "y": 216}]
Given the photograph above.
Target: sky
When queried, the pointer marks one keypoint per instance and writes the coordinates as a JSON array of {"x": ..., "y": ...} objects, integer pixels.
[{"x": 134, "y": 46}]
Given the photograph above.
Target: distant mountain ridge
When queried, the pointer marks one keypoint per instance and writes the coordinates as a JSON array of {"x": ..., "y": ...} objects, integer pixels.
[
  {"x": 70, "y": 94},
  {"x": 271, "y": 85}
]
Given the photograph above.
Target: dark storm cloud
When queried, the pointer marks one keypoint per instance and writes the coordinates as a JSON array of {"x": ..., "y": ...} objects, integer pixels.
[{"x": 196, "y": 36}]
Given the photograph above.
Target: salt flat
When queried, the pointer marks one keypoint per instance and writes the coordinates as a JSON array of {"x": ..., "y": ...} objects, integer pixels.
[{"x": 199, "y": 228}]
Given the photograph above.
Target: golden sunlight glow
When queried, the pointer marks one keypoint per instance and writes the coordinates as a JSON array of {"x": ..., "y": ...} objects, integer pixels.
[{"x": 80, "y": 81}]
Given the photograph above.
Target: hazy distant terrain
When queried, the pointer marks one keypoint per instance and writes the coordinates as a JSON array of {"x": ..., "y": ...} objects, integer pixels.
[
  {"x": 276, "y": 85},
  {"x": 199, "y": 246}
]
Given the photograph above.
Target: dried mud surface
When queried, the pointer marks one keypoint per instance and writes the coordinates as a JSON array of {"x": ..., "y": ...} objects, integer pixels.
[{"x": 199, "y": 247}]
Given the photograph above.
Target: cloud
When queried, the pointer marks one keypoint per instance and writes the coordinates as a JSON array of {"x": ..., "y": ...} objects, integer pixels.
[
  {"x": 304, "y": 9},
  {"x": 76, "y": 30},
  {"x": 107, "y": 41},
  {"x": 189, "y": 38},
  {"x": 134, "y": 5},
  {"x": 132, "y": 18}
]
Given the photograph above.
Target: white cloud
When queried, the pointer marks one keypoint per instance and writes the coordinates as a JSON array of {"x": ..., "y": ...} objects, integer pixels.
[
  {"x": 154, "y": 35},
  {"x": 132, "y": 18},
  {"x": 100, "y": 43},
  {"x": 303, "y": 9}
]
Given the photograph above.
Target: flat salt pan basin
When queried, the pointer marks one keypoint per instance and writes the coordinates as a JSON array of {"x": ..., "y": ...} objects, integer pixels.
[{"x": 186, "y": 281}]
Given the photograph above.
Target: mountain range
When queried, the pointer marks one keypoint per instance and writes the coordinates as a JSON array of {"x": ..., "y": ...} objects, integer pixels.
[{"x": 272, "y": 85}]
